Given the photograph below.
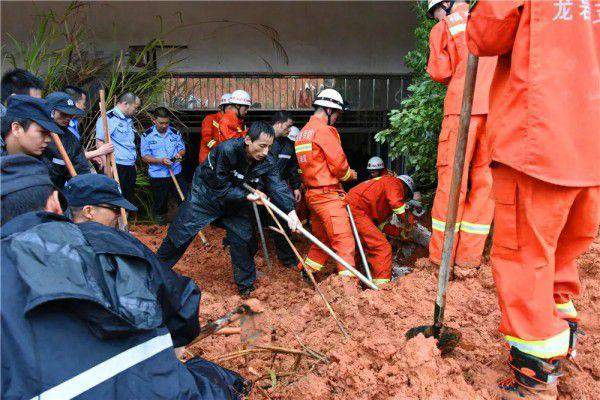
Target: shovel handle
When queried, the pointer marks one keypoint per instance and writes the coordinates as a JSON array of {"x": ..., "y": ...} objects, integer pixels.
[
  {"x": 316, "y": 241},
  {"x": 457, "y": 175}
]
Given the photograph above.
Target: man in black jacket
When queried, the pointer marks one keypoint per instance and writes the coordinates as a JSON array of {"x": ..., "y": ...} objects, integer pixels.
[
  {"x": 285, "y": 158},
  {"x": 63, "y": 110},
  {"x": 88, "y": 311},
  {"x": 217, "y": 195}
]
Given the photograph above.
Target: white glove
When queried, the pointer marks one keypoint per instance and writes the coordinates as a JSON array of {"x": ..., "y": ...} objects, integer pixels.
[
  {"x": 253, "y": 197},
  {"x": 293, "y": 221}
]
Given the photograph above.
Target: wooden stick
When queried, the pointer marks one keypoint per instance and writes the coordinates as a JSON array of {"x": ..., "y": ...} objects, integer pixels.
[
  {"x": 111, "y": 163},
  {"x": 63, "y": 154},
  {"x": 310, "y": 275}
]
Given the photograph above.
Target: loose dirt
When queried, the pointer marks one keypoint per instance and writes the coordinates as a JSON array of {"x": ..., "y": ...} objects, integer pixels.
[{"x": 376, "y": 362}]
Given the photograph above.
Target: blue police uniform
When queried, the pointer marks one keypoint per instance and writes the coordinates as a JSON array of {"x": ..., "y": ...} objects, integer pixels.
[
  {"x": 157, "y": 145},
  {"x": 122, "y": 136},
  {"x": 166, "y": 145},
  {"x": 74, "y": 128}
]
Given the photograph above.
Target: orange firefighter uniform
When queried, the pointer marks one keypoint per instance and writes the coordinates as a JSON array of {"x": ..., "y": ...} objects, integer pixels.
[
  {"x": 210, "y": 132},
  {"x": 447, "y": 64},
  {"x": 230, "y": 126},
  {"x": 324, "y": 166},
  {"x": 372, "y": 203},
  {"x": 543, "y": 122}
]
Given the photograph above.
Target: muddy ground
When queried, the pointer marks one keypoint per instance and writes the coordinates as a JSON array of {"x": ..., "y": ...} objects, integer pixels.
[{"x": 376, "y": 362}]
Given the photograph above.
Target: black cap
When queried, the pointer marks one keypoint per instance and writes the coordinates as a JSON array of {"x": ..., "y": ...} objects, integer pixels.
[
  {"x": 94, "y": 189},
  {"x": 37, "y": 110},
  {"x": 64, "y": 103},
  {"x": 20, "y": 171}
]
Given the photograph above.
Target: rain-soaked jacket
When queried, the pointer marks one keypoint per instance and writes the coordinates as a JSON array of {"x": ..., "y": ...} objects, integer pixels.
[
  {"x": 88, "y": 312},
  {"x": 217, "y": 193}
]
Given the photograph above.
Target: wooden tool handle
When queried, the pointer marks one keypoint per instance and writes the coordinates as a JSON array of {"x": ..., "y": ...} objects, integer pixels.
[{"x": 63, "y": 154}]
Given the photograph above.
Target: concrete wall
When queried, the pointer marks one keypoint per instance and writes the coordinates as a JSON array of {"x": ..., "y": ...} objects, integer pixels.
[{"x": 318, "y": 37}]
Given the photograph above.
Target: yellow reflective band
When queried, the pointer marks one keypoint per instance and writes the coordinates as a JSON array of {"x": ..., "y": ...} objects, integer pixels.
[
  {"x": 313, "y": 264},
  {"x": 378, "y": 178},
  {"x": 346, "y": 273},
  {"x": 299, "y": 171},
  {"x": 438, "y": 225},
  {"x": 552, "y": 347},
  {"x": 567, "y": 308},
  {"x": 380, "y": 281},
  {"x": 211, "y": 143},
  {"x": 302, "y": 148},
  {"x": 215, "y": 124},
  {"x": 400, "y": 210},
  {"x": 478, "y": 229},
  {"x": 347, "y": 175},
  {"x": 239, "y": 129}
]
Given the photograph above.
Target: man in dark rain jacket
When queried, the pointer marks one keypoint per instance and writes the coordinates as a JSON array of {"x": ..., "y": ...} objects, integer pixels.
[
  {"x": 217, "y": 195},
  {"x": 87, "y": 310}
]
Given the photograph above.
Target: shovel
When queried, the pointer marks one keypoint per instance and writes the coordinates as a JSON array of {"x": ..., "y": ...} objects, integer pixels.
[
  {"x": 448, "y": 338},
  {"x": 182, "y": 197}
]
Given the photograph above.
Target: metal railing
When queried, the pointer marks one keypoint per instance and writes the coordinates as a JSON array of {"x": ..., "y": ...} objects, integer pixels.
[{"x": 285, "y": 92}]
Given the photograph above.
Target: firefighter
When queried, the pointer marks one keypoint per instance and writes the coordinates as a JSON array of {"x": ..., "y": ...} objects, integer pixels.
[
  {"x": 287, "y": 166},
  {"x": 372, "y": 203},
  {"x": 324, "y": 167},
  {"x": 447, "y": 64},
  {"x": 231, "y": 125},
  {"x": 63, "y": 302},
  {"x": 210, "y": 129},
  {"x": 544, "y": 104},
  {"x": 217, "y": 195}
]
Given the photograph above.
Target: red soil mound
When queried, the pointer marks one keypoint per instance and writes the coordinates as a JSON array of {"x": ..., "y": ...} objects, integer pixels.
[{"x": 376, "y": 362}]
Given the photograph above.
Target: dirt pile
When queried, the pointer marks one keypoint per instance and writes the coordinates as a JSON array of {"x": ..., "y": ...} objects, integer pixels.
[{"x": 376, "y": 362}]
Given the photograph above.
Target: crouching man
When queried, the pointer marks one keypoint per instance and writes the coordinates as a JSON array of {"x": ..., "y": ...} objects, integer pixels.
[
  {"x": 87, "y": 311},
  {"x": 217, "y": 195}
]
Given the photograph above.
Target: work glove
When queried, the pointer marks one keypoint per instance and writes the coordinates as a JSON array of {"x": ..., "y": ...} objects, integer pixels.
[
  {"x": 293, "y": 221},
  {"x": 256, "y": 197}
]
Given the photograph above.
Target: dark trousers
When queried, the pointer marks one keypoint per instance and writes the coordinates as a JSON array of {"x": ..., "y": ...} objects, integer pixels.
[
  {"x": 127, "y": 175},
  {"x": 242, "y": 254},
  {"x": 162, "y": 188}
]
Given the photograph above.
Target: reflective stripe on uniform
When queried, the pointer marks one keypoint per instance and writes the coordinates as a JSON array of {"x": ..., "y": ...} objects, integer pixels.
[
  {"x": 302, "y": 148},
  {"x": 380, "y": 281},
  {"x": 211, "y": 143},
  {"x": 457, "y": 29},
  {"x": 345, "y": 272},
  {"x": 552, "y": 347},
  {"x": 215, "y": 124},
  {"x": 400, "y": 210},
  {"x": 438, "y": 225},
  {"x": 567, "y": 308},
  {"x": 58, "y": 161},
  {"x": 286, "y": 156},
  {"x": 107, "y": 369},
  {"x": 347, "y": 175},
  {"x": 478, "y": 229},
  {"x": 313, "y": 264}
]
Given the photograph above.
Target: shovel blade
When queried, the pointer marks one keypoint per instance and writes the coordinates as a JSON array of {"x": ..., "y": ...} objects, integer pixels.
[{"x": 447, "y": 338}]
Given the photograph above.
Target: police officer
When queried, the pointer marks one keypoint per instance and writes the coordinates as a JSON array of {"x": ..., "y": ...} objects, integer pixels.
[
  {"x": 19, "y": 81},
  {"x": 122, "y": 135},
  {"x": 217, "y": 195},
  {"x": 26, "y": 126},
  {"x": 65, "y": 303},
  {"x": 287, "y": 165},
  {"x": 63, "y": 110},
  {"x": 163, "y": 149}
]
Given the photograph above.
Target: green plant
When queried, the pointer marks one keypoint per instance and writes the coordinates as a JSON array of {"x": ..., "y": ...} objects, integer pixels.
[{"x": 414, "y": 128}]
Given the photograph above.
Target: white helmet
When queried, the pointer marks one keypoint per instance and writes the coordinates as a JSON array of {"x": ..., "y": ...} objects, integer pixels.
[
  {"x": 408, "y": 181},
  {"x": 294, "y": 131},
  {"x": 240, "y": 97},
  {"x": 431, "y": 4},
  {"x": 330, "y": 98},
  {"x": 375, "y": 163},
  {"x": 225, "y": 99}
]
